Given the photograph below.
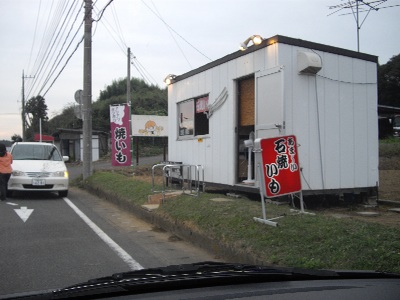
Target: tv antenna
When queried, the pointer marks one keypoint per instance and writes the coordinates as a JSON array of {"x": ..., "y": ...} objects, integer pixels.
[{"x": 357, "y": 7}]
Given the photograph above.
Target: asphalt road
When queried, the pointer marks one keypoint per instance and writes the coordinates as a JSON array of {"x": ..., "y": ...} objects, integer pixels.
[{"x": 48, "y": 242}]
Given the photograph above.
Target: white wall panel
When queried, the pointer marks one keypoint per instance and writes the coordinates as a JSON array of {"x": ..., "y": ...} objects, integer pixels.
[
  {"x": 346, "y": 125},
  {"x": 222, "y": 133},
  {"x": 272, "y": 58},
  {"x": 372, "y": 126},
  {"x": 213, "y": 87},
  {"x": 259, "y": 60},
  {"x": 328, "y": 90},
  {"x": 360, "y": 121},
  {"x": 242, "y": 65}
]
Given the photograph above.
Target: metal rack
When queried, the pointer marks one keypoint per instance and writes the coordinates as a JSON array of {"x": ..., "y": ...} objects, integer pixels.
[{"x": 183, "y": 174}]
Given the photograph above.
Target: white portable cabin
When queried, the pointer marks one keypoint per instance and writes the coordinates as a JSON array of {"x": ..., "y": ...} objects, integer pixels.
[{"x": 325, "y": 96}]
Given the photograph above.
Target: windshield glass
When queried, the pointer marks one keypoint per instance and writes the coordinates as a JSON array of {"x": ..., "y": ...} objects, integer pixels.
[
  {"x": 35, "y": 152},
  {"x": 254, "y": 132}
]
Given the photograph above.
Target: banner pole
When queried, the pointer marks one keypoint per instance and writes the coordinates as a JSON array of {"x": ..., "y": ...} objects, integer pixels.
[
  {"x": 301, "y": 202},
  {"x": 262, "y": 193},
  {"x": 264, "y": 210}
]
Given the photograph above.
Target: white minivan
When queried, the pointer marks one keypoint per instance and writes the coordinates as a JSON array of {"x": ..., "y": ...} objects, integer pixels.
[{"x": 38, "y": 167}]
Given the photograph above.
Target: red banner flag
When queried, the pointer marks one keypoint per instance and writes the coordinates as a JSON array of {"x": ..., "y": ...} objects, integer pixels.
[{"x": 280, "y": 164}]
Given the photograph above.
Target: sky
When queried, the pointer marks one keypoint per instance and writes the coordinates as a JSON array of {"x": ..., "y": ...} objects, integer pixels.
[{"x": 165, "y": 37}]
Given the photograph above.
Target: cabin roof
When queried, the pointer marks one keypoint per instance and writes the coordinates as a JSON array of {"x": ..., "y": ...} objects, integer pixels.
[{"x": 283, "y": 40}]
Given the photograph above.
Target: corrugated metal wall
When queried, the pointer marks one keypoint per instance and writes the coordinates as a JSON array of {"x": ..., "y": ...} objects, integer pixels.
[{"x": 335, "y": 111}]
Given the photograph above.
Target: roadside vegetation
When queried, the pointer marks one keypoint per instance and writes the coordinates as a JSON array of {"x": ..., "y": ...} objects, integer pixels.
[
  {"x": 389, "y": 154},
  {"x": 389, "y": 169},
  {"x": 333, "y": 238}
]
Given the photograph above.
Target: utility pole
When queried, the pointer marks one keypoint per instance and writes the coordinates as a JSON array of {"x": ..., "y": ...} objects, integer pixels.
[
  {"x": 128, "y": 79},
  {"x": 87, "y": 92},
  {"x": 128, "y": 100},
  {"x": 23, "y": 114},
  {"x": 23, "y": 107}
]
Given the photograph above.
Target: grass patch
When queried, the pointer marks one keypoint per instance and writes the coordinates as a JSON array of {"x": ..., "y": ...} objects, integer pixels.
[
  {"x": 389, "y": 147},
  {"x": 389, "y": 154},
  {"x": 125, "y": 187},
  {"x": 320, "y": 241},
  {"x": 299, "y": 240}
]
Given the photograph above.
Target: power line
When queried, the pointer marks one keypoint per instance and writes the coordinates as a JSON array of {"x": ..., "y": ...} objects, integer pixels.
[
  {"x": 117, "y": 36},
  {"x": 55, "y": 39},
  {"x": 102, "y": 11},
  {"x": 58, "y": 60},
  {"x": 34, "y": 35},
  {"x": 173, "y": 37},
  {"x": 119, "y": 29},
  {"x": 55, "y": 50},
  {"x": 121, "y": 43},
  {"x": 59, "y": 73},
  {"x": 142, "y": 71},
  {"x": 48, "y": 37},
  {"x": 166, "y": 24}
]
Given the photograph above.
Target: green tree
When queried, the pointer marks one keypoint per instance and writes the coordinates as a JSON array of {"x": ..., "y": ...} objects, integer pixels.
[
  {"x": 16, "y": 138},
  {"x": 67, "y": 119},
  {"x": 389, "y": 82},
  {"x": 36, "y": 109},
  {"x": 145, "y": 99}
]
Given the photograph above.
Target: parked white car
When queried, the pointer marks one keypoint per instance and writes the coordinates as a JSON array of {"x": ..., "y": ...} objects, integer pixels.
[{"x": 38, "y": 167}]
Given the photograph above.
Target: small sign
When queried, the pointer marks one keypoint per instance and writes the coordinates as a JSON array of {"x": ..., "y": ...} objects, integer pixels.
[
  {"x": 202, "y": 105},
  {"x": 149, "y": 125},
  {"x": 280, "y": 166},
  {"x": 78, "y": 96}
]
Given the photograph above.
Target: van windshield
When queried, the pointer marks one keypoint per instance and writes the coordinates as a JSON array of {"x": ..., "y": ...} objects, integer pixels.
[{"x": 35, "y": 152}]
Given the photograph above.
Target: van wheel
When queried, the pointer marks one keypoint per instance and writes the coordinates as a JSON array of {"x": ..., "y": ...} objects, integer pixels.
[{"x": 63, "y": 193}]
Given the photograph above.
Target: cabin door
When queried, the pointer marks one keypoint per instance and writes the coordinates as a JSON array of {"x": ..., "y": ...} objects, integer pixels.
[
  {"x": 269, "y": 120},
  {"x": 269, "y": 116}
]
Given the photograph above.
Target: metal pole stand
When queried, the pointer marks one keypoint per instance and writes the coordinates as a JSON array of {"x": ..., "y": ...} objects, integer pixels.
[
  {"x": 301, "y": 211},
  {"x": 264, "y": 220}
]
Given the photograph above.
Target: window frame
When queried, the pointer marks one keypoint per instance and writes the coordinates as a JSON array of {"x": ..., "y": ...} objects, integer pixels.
[{"x": 198, "y": 122}]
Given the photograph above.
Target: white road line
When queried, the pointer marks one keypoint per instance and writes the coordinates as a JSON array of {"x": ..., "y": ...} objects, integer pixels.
[{"x": 133, "y": 264}]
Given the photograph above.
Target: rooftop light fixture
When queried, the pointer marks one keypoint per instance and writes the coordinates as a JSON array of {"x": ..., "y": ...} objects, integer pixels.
[
  {"x": 257, "y": 39},
  {"x": 170, "y": 77}
]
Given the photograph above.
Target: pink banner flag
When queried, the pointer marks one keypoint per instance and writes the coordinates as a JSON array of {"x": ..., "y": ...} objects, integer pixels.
[{"x": 120, "y": 135}]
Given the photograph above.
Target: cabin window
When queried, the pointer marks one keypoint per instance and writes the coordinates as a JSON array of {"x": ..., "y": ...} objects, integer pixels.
[{"x": 193, "y": 118}]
